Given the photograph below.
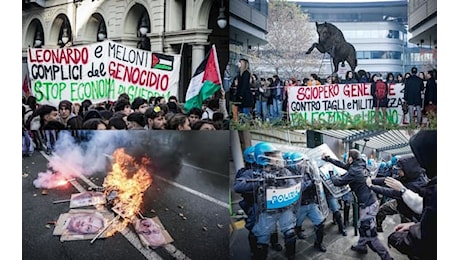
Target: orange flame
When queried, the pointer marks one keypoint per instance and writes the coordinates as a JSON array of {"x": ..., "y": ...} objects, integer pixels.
[{"x": 129, "y": 179}]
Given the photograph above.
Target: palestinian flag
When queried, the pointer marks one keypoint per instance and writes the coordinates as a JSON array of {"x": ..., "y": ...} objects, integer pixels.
[{"x": 205, "y": 81}]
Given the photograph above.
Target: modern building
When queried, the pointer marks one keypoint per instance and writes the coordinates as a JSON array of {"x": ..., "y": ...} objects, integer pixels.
[
  {"x": 164, "y": 26},
  {"x": 423, "y": 27},
  {"x": 248, "y": 28},
  {"x": 377, "y": 30}
]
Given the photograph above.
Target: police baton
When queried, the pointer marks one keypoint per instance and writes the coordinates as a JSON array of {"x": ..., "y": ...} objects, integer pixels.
[{"x": 276, "y": 178}]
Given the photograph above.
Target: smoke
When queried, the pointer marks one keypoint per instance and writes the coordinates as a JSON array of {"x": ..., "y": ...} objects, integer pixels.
[
  {"x": 71, "y": 159},
  {"x": 49, "y": 180}
]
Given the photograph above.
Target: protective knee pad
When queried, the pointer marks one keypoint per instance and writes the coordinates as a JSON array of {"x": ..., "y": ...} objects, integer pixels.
[
  {"x": 289, "y": 236},
  {"x": 366, "y": 229}
]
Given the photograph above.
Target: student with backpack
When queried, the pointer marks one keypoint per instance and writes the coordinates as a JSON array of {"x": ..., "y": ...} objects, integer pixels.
[{"x": 379, "y": 90}]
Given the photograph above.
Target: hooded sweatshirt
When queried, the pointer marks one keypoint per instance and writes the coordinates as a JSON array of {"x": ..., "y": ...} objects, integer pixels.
[{"x": 424, "y": 147}]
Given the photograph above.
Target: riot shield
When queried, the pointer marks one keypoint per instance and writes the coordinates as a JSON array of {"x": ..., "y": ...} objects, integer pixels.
[
  {"x": 325, "y": 169},
  {"x": 315, "y": 177},
  {"x": 272, "y": 197},
  {"x": 278, "y": 198}
]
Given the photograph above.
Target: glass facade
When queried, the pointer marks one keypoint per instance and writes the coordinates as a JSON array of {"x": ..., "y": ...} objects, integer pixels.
[
  {"x": 393, "y": 55},
  {"x": 374, "y": 34}
]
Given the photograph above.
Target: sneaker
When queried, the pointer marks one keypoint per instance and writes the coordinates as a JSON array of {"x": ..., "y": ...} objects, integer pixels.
[
  {"x": 320, "y": 247},
  {"x": 361, "y": 250}
]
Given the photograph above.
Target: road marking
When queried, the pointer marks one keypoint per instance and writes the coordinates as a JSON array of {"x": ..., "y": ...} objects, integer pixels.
[
  {"x": 199, "y": 194},
  {"x": 134, "y": 240},
  {"x": 205, "y": 170},
  {"x": 127, "y": 233}
]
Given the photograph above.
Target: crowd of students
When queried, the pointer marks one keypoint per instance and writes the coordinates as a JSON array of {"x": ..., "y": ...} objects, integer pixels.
[
  {"x": 41, "y": 123},
  {"x": 266, "y": 99}
]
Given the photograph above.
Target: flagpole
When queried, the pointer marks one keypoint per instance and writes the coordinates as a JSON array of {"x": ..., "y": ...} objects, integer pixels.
[{"x": 181, "y": 47}]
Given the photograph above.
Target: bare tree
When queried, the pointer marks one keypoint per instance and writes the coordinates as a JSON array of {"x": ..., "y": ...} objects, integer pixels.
[{"x": 290, "y": 33}]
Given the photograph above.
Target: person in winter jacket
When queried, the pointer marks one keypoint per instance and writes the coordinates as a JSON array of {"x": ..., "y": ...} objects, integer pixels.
[
  {"x": 368, "y": 203},
  {"x": 244, "y": 93},
  {"x": 413, "y": 177},
  {"x": 418, "y": 240},
  {"x": 413, "y": 88}
]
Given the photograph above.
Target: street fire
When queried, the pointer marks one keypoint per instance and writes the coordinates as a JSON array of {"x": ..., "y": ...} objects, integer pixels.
[{"x": 125, "y": 185}]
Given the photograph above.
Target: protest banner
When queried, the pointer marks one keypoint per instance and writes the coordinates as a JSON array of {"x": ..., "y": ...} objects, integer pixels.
[
  {"x": 100, "y": 72},
  {"x": 341, "y": 103}
]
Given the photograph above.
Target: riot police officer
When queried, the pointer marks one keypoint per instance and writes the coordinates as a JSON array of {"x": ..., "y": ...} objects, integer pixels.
[
  {"x": 249, "y": 200},
  {"x": 309, "y": 207},
  {"x": 276, "y": 205}
]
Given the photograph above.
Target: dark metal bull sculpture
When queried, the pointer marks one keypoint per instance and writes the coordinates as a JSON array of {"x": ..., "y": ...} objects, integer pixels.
[{"x": 331, "y": 40}]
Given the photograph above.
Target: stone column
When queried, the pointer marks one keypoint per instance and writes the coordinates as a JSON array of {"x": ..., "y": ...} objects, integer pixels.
[{"x": 197, "y": 56}]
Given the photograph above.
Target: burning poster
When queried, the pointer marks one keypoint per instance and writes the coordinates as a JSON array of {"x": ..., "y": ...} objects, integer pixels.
[
  {"x": 82, "y": 224},
  {"x": 125, "y": 185},
  {"x": 151, "y": 232},
  {"x": 88, "y": 198}
]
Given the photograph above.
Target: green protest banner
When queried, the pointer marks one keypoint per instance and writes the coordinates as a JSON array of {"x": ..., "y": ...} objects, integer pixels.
[{"x": 341, "y": 103}]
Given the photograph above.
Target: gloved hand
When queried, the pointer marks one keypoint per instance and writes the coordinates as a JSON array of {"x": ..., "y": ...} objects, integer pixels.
[{"x": 270, "y": 178}]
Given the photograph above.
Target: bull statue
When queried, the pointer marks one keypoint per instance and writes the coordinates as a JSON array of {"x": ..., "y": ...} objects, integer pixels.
[{"x": 331, "y": 40}]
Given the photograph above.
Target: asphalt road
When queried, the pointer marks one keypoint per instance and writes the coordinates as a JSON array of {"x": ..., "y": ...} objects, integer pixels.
[{"x": 189, "y": 193}]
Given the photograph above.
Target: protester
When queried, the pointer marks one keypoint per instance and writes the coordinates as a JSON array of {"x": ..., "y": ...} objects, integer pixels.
[
  {"x": 419, "y": 239},
  {"x": 155, "y": 118},
  {"x": 179, "y": 121},
  {"x": 368, "y": 203},
  {"x": 244, "y": 94},
  {"x": 413, "y": 95},
  {"x": 136, "y": 121},
  {"x": 379, "y": 90},
  {"x": 412, "y": 176},
  {"x": 204, "y": 124}
]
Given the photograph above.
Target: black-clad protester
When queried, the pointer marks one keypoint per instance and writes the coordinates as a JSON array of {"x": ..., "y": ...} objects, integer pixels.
[
  {"x": 413, "y": 178},
  {"x": 419, "y": 240},
  {"x": 430, "y": 99},
  {"x": 368, "y": 203},
  {"x": 413, "y": 88}
]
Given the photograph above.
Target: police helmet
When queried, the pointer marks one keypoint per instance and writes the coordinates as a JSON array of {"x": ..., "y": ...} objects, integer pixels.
[
  {"x": 263, "y": 152},
  {"x": 389, "y": 164},
  {"x": 286, "y": 156},
  {"x": 295, "y": 158},
  {"x": 248, "y": 155},
  {"x": 394, "y": 160}
]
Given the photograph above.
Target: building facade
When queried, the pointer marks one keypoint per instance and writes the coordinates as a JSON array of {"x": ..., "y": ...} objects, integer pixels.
[
  {"x": 423, "y": 25},
  {"x": 248, "y": 28},
  {"x": 166, "y": 26}
]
